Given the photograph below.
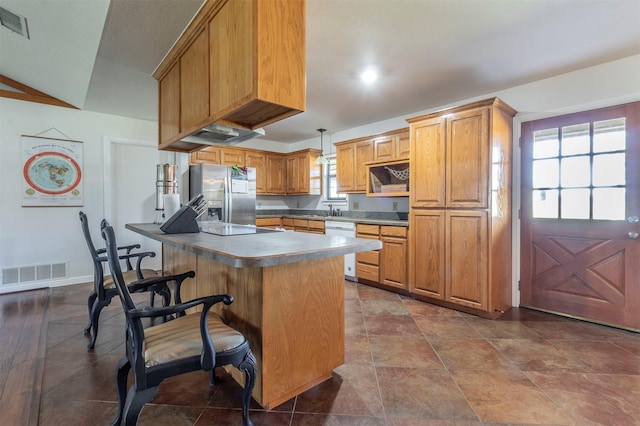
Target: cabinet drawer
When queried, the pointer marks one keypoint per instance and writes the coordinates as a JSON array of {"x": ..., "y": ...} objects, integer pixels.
[
  {"x": 393, "y": 231},
  {"x": 208, "y": 155},
  {"x": 269, "y": 221},
  {"x": 362, "y": 228},
  {"x": 287, "y": 221},
  {"x": 370, "y": 257},
  {"x": 300, "y": 223},
  {"x": 316, "y": 225},
  {"x": 368, "y": 272}
]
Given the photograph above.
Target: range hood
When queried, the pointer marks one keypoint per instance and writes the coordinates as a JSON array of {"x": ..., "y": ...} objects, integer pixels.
[{"x": 219, "y": 134}]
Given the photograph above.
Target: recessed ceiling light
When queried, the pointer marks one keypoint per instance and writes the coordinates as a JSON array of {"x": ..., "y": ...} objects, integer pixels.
[{"x": 369, "y": 76}]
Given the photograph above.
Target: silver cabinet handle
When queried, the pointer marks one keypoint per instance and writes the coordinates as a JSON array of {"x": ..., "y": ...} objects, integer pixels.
[
  {"x": 633, "y": 219},
  {"x": 633, "y": 235}
]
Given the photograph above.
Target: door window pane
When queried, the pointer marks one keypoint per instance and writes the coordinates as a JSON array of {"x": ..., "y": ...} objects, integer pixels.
[
  {"x": 546, "y": 173},
  {"x": 609, "y": 135},
  {"x": 545, "y": 143},
  {"x": 609, "y": 169},
  {"x": 545, "y": 204},
  {"x": 576, "y": 140},
  {"x": 608, "y": 203},
  {"x": 575, "y": 172},
  {"x": 575, "y": 204}
]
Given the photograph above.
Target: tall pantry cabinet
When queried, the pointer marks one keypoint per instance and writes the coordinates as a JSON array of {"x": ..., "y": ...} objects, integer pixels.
[{"x": 460, "y": 207}]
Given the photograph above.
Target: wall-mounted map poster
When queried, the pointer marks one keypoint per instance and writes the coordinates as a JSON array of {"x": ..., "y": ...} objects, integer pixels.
[{"x": 51, "y": 172}]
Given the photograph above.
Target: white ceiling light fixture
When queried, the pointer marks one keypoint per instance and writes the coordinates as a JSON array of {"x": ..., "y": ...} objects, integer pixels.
[
  {"x": 321, "y": 159},
  {"x": 369, "y": 76}
]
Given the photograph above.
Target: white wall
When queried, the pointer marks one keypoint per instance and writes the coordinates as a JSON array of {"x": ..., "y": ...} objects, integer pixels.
[{"x": 41, "y": 235}]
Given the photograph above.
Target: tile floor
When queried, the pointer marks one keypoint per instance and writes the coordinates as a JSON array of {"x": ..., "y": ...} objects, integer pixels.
[{"x": 407, "y": 363}]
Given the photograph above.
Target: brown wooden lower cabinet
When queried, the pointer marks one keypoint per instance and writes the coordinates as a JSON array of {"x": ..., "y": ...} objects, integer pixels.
[
  {"x": 269, "y": 222},
  {"x": 389, "y": 265}
]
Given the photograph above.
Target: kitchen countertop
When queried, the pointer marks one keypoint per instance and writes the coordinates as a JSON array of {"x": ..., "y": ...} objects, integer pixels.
[
  {"x": 261, "y": 249},
  {"x": 393, "y": 222}
]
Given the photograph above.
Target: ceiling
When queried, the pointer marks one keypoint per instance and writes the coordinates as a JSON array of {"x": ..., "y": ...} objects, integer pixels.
[{"x": 99, "y": 55}]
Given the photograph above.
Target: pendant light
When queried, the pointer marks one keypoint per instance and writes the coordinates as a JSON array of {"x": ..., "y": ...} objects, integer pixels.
[{"x": 321, "y": 159}]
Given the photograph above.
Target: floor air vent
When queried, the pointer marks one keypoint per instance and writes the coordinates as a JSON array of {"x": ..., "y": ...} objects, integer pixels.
[{"x": 32, "y": 273}]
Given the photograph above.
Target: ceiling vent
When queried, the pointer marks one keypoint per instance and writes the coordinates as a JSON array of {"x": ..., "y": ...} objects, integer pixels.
[{"x": 14, "y": 22}]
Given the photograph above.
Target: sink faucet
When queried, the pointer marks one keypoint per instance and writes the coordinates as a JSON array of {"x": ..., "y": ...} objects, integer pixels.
[{"x": 330, "y": 209}]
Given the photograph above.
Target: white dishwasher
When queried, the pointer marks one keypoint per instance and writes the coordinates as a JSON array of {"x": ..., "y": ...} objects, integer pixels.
[{"x": 344, "y": 229}]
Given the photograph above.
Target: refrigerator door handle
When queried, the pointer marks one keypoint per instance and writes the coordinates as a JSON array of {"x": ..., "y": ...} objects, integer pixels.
[{"x": 228, "y": 199}]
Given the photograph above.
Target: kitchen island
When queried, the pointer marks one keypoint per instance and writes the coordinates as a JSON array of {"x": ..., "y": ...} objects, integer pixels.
[{"x": 288, "y": 290}]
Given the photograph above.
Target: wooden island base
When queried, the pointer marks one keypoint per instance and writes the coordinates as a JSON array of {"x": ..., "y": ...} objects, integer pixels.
[{"x": 292, "y": 314}]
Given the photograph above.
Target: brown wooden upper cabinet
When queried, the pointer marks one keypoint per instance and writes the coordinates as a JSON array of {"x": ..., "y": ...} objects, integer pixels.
[
  {"x": 303, "y": 175},
  {"x": 239, "y": 62},
  {"x": 352, "y": 154}
]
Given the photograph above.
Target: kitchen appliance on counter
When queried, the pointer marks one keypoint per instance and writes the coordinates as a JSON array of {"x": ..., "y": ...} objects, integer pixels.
[
  {"x": 230, "y": 192},
  {"x": 344, "y": 229},
  {"x": 166, "y": 183}
]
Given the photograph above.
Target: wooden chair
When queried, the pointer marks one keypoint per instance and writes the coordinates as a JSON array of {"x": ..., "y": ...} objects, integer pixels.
[
  {"x": 196, "y": 341},
  {"x": 103, "y": 287}
]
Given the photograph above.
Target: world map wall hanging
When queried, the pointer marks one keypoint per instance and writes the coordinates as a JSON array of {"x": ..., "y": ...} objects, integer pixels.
[{"x": 52, "y": 172}]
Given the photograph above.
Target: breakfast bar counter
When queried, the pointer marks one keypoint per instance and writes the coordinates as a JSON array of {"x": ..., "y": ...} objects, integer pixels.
[{"x": 288, "y": 290}]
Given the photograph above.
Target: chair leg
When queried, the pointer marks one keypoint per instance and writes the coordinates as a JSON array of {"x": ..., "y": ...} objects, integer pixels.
[
  {"x": 135, "y": 403},
  {"x": 95, "y": 316},
  {"x": 249, "y": 367},
  {"x": 92, "y": 298},
  {"x": 122, "y": 372}
]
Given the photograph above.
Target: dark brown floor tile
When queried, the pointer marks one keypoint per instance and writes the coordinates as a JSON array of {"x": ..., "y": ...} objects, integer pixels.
[
  {"x": 446, "y": 327},
  {"x": 352, "y": 306},
  {"x": 492, "y": 329},
  {"x": 53, "y": 412},
  {"x": 575, "y": 330},
  {"x": 508, "y": 397},
  {"x": 109, "y": 337},
  {"x": 190, "y": 389},
  {"x": 353, "y": 390},
  {"x": 95, "y": 382},
  {"x": 603, "y": 357},
  {"x": 540, "y": 355},
  {"x": 470, "y": 354},
  {"x": 335, "y": 420},
  {"x": 357, "y": 349},
  {"x": 632, "y": 347},
  {"x": 76, "y": 294},
  {"x": 417, "y": 307},
  {"x": 229, "y": 417},
  {"x": 228, "y": 394},
  {"x": 524, "y": 314},
  {"x": 403, "y": 351},
  {"x": 383, "y": 307},
  {"x": 422, "y": 393},
  {"x": 593, "y": 398},
  {"x": 367, "y": 292},
  {"x": 169, "y": 415},
  {"x": 351, "y": 290},
  {"x": 408, "y": 421},
  {"x": 60, "y": 366},
  {"x": 354, "y": 324},
  {"x": 391, "y": 325}
]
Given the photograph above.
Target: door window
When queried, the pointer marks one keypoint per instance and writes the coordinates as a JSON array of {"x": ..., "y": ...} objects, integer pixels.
[{"x": 579, "y": 171}]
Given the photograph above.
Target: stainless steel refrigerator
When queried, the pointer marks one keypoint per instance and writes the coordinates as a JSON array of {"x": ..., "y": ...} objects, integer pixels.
[{"x": 230, "y": 192}]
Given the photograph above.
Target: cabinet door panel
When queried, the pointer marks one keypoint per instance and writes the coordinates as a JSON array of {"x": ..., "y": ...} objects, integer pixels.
[
  {"x": 364, "y": 154},
  {"x": 427, "y": 174},
  {"x": 194, "y": 83},
  {"x": 257, "y": 160},
  {"x": 345, "y": 172},
  {"x": 209, "y": 155},
  {"x": 393, "y": 270},
  {"x": 384, "y": 149},
  {"x": 428, "y": 253},
  {"x": 275, "y": 174},
  {"x": 231, "y": 157},
  {"x": 466, "y": 258},
  {"x": 292, "y": 175},
  {"x": 170, "y": 104},
  {"x": 468, "y": 159},
  {"x": 403, "y": 145}
]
